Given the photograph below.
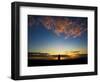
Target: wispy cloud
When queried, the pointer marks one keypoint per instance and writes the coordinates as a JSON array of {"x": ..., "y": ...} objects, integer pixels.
[{"x": 62, "y": 25}]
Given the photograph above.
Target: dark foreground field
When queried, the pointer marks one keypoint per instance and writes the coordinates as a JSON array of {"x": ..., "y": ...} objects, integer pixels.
[{"x": 82, "y": 60}]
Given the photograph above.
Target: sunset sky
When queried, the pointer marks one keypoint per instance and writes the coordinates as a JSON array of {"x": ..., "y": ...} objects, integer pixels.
[{"x": 57, "y": 35}]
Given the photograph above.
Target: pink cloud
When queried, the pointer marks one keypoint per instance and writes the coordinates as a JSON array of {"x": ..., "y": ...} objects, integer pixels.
[
  {"x": 47, "y": 22},
  {"x": 63, "y": 26}
]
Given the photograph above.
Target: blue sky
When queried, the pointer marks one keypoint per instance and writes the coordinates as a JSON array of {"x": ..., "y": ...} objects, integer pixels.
[{"x": 45, "y": 37}]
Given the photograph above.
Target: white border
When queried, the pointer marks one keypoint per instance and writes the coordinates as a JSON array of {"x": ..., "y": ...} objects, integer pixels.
[{"x": 25, "y": 70}]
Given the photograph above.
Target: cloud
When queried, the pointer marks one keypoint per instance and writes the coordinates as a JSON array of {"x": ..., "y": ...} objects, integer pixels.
[
  {"x": 47, "y": 22},
  {"x": 77, "y": 52},
  {"x": 63, "y": 26}
]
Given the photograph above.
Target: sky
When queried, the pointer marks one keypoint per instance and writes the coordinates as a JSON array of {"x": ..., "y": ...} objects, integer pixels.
[{"x": 57, "y": 34}]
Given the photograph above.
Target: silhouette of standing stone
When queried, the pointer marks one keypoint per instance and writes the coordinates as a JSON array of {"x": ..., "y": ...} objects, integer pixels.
[{"x": 58, "y": 57}]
